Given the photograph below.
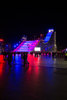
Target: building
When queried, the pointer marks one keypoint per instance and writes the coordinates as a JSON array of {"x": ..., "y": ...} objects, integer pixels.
[{"x": 48, "y": 44}]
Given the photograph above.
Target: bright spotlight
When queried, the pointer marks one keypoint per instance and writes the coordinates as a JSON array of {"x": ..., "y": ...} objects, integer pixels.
[{"x": 51, "y": 30}]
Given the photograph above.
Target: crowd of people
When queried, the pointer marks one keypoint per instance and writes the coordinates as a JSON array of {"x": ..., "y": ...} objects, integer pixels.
[{"x": 8, "y": 57}]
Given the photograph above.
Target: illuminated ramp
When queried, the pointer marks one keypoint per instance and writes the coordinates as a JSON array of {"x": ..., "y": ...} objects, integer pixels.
[
  {"x": 49, "y": 41},
  {"x": 47, "y": 44},
  {"x": 48, "y": 36},
  {"x": 26, "y": 46}
]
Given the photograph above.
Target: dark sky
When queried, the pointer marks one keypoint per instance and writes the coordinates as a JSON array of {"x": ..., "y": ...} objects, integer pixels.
[{"x": 14, "y": 22}]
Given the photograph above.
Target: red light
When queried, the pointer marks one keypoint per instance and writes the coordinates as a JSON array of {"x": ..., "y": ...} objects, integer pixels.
[
  {"x": 47, "y": 54},
  {"x": 1, "y": 64},
  {"x": 1, "y": 40},
  {"x": 35, "y": 61}
]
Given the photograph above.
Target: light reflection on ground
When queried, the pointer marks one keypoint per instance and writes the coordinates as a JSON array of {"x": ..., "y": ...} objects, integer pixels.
[
  {"x": 35, "y": 63},
  {"x": 44, "y": 76}
]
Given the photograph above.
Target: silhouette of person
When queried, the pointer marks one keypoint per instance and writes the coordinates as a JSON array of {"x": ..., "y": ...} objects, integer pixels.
[
  {"x": 4, "y": 54},
  {"x": 22, "y": 55},
  {"x": 14, "y": 56},
  {"x": 25, "y": 58},
  {"x": 9, "y": 59}
]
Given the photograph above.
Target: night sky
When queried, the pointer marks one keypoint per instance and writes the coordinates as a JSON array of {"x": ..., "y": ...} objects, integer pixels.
[{"x": 15, "y": 22}]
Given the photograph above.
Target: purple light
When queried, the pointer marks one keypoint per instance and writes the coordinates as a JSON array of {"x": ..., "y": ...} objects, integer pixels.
[
  {"x": 18, "y": 47},
  {"x": 44, "y": 54},
  {"x": 47, "y": 54},
  {"x": 26, "y": 46}
]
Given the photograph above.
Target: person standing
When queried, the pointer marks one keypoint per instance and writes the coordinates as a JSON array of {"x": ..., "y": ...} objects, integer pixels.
[
  {"x": 9, "y": 59},
  {"x": 25, "y": 58}
]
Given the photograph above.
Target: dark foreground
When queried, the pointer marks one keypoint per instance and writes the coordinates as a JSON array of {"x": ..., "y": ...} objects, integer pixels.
[{"x": 44, "y": 79}]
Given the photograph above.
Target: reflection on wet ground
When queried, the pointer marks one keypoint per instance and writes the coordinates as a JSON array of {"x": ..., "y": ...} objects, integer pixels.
[{"x": 45, "y": 78}]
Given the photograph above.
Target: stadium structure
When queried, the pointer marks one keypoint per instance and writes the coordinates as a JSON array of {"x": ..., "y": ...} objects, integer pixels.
[{"x": 48, "y": 44}]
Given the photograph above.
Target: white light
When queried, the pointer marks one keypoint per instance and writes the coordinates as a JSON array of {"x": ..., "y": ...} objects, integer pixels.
[
  {"x": 37, "y": 49},
  {"x": 51, "y": 30},
  {"x": 66, "y": 49}
]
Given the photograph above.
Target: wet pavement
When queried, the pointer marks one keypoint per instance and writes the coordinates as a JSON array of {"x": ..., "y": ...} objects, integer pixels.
[{"x": 44, "y": 79}]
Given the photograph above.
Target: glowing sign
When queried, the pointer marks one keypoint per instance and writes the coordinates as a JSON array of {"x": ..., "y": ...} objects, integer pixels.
[{"x": 37, "y": 49}]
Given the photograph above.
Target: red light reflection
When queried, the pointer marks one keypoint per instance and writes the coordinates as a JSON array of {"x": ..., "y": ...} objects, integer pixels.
[
  {"x": 1, "y": 58},
  {"x": 33, "y": 70},
  {"x": 1, "y": 69},
  {"x": 1, "y": 64},
  {"x": 33, "y": 63}
]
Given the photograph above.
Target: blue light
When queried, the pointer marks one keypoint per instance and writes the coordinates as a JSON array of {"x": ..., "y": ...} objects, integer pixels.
[
  {"x": 6, "y": 45},
  {"x": 14, "y": 46},
  {"x": 17, "y": 44},
  {"x": 48, "y": 36},
  {"x": 26, "y": 46}
]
